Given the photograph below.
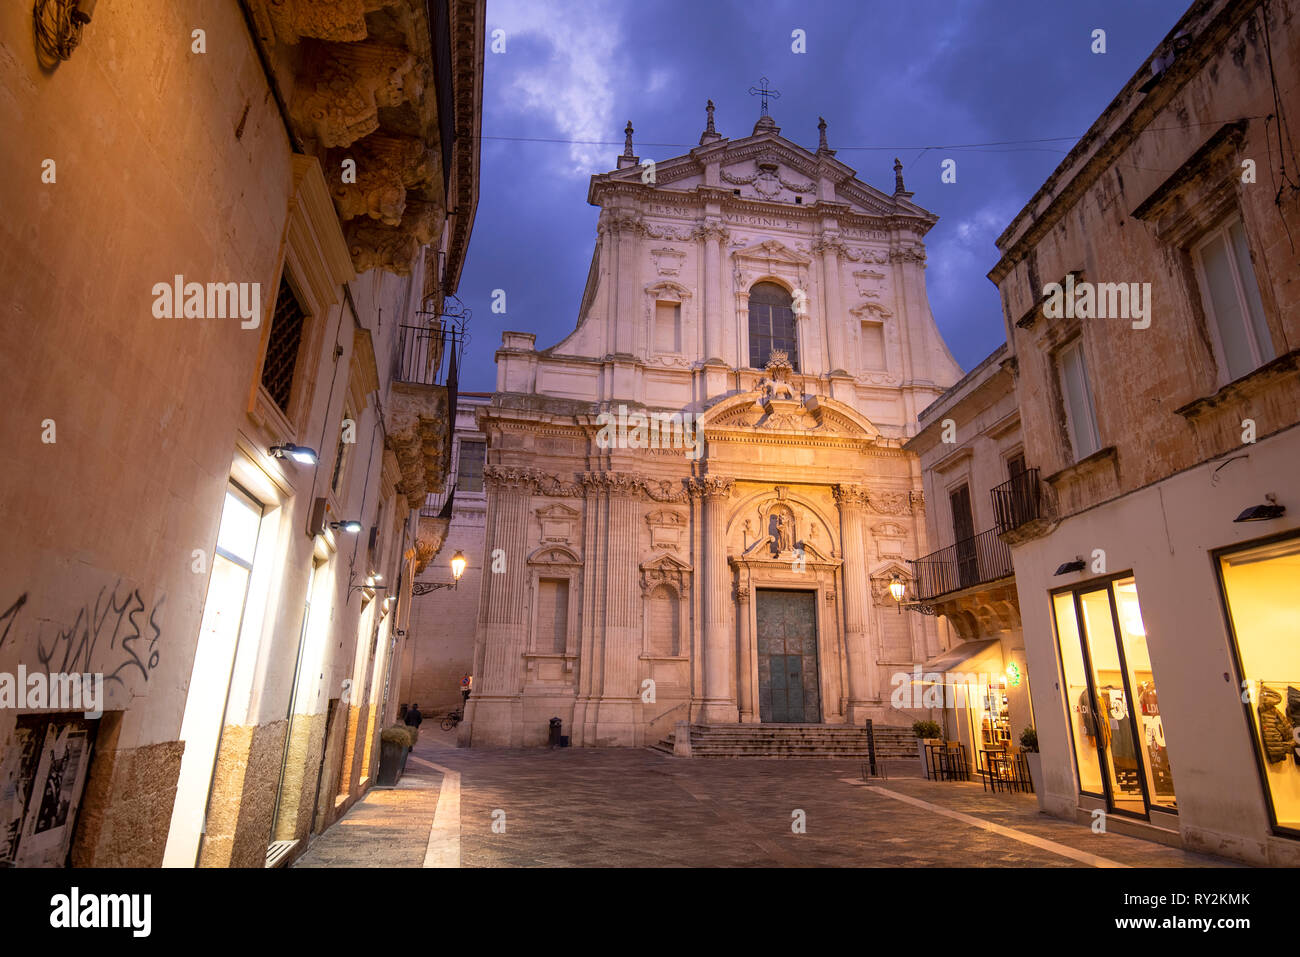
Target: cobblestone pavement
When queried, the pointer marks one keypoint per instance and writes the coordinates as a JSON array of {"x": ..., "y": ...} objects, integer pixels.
[{"x": 636, "y": 808}]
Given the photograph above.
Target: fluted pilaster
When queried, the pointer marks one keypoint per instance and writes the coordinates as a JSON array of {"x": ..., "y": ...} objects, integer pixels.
[
  {"x": 504, "y": 596},
  {"x": 852, "y": 501},
  {"x": 713, "y": 236},
  {"x": 719, "y": 646}
]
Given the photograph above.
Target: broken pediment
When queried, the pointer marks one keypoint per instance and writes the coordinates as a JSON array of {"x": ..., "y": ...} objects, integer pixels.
[{"x": 758, "y": 410}]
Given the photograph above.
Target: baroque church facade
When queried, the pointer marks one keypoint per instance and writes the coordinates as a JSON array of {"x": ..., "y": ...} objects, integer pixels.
[{"x": 776, "y": 303}]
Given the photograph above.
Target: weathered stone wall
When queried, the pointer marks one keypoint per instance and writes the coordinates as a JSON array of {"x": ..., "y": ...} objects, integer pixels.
[
  {"x": 1157, "y": 390},
  {"x": 169, "y": 162}
]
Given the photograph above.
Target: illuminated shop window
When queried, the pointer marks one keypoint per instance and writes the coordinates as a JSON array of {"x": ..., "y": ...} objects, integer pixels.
[
  {"x": 1110, "y": 689},
  {"x": 1263, "y": 603}
]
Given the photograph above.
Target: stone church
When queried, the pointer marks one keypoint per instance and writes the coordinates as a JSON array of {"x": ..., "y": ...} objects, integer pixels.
[{"x": 766, "y": 307}]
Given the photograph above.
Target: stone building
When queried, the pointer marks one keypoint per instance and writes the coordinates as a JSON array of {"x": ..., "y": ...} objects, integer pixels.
[
  {"x": 237, "y": 345},
  {"x": 972, "y": 457},
  {"x": 1151, "y": 292},
  {"x": 439, "y": 647},
  {"x": 697, "y": 499}
]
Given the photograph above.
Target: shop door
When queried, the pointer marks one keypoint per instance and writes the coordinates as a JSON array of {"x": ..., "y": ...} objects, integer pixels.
[
  {"x": 787, "y": 657},
  {"x": 1111, "y": 690}
]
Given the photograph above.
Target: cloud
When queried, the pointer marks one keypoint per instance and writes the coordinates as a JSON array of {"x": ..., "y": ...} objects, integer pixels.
[{"x": 566, "y": 77}]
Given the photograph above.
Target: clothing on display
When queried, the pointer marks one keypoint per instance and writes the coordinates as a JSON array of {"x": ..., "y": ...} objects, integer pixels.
[{"x": 1275, "y": 727}]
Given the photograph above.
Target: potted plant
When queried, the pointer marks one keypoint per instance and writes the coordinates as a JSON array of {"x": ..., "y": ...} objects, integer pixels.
[
  {"x": 927, "y": 732},
  {"x": 1029, "y": 742},
  {"x": 395, "y": 744}
]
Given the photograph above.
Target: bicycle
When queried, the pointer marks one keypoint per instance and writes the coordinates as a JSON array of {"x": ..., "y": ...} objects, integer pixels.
[{"x": 452, "y": 719}]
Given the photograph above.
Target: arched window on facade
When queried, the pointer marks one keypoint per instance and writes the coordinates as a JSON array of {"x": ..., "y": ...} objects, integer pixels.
[{"x": 771, "y": 324}]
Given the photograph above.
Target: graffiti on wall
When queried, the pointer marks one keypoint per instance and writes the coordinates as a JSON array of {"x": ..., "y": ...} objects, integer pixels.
[{"x": 117, "y": 635}]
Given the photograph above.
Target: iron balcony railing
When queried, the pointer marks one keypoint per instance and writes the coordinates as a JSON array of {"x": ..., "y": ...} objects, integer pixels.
[
  {"x": 1017, "y": 501},
  {"x": 429, "y": 355},
  {"x": 973, "y": 561}
]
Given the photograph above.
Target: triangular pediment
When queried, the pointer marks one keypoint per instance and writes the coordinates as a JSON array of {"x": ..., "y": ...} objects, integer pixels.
[
  {"x": 768, "y": 167},
  {"x": 771, "y": 251},
  {"x": 665, "y": 563}
]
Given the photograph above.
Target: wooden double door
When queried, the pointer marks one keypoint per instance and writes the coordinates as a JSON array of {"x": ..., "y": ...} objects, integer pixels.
[{"x": 788, "y": 680}]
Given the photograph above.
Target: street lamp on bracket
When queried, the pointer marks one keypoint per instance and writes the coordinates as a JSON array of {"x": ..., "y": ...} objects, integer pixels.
[{"x": 458, "y": 565}]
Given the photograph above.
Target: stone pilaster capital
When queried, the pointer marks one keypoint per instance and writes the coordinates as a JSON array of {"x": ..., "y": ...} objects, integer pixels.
[
  {"x": 829, "y": 244},
  {"x": 742, "y": 593},
  {"x": 514, "y": 477},
  {"x": 853, "y": 496},
  {"x": 616, "y": 221},
  {"x": 711, "y": 231},
  {"x": 712, "y": 486},
  {"x": 907, "y": 254}
]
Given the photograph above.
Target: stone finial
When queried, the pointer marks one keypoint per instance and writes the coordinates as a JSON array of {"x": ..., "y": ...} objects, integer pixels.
[
  {"x": 821, "y": 134},
  {"x": 627, "y": 159},
  {"x": 710, "y": 134},
  {"x": 899, "y": 189}
]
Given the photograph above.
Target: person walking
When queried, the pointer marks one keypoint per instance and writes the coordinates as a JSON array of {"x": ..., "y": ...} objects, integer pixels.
[{"x": 413, "y": 716}]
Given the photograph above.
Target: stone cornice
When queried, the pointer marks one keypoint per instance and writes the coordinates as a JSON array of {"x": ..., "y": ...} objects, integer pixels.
[{"x": 693, "y": 201}]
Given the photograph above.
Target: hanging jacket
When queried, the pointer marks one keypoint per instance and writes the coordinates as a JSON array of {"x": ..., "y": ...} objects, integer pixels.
[
  {"x": 1275, "y": 728},
  {"x": 1293, "y": 704}
]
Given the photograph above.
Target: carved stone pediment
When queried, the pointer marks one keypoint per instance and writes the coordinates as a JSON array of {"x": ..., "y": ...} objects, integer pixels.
[
  {"x": 871, "y": 310},
  {"x": 668, "y": 261},
  {"x": 883, "y": 575},
  {"x": 554, "y": 555},
  {"x": 869, "y": 283},
  {"x": 557, "y": 522},
  {"x": 889, "y": 538},
  {"x": 666, "y": 570},
  {"x": 666, "y": 529},
  {"x": 668, "y": 291},
  {"x": 769, "y": 252}
]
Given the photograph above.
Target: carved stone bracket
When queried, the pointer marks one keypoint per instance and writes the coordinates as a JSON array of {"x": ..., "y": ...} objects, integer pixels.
[
  {"x": 386, "y": 168},
  {"x": 338, "y": 100},
  {"x": 417, "y": 434},
  {"x": 374, "y": 245}
]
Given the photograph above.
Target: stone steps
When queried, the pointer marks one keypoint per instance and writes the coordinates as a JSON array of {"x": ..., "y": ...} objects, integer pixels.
[{"x": 792, "y": 741}]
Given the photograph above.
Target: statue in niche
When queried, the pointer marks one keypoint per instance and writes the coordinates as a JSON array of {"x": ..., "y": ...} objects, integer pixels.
[{"x": 781, "y": 529}]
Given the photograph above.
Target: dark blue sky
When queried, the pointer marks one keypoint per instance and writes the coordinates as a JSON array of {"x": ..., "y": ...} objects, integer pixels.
[{"x": 900, "y": 76}]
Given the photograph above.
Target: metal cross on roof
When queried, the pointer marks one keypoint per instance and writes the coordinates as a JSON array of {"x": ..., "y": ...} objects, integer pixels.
[{"x": 764, "y": 91}]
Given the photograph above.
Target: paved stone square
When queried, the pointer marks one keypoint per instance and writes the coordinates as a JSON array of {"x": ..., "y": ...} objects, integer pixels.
[{"x": 637, "y": 808}]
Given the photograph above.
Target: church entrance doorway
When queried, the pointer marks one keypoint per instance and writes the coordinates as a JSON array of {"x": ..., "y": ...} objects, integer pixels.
[{"x": 787, "y": 657}]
